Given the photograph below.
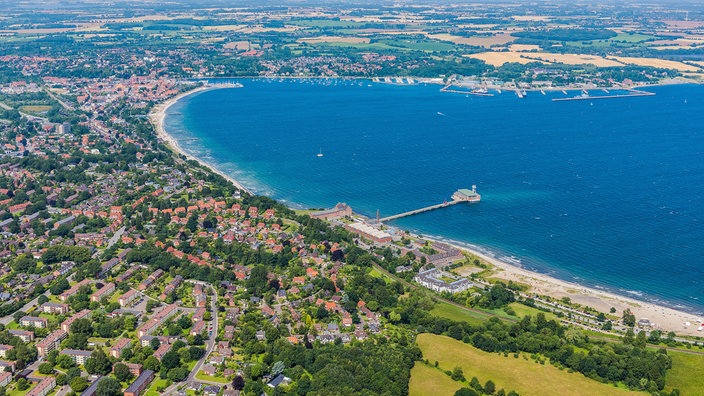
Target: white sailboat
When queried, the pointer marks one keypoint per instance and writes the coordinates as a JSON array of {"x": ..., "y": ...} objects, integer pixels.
[{"x": 320, "y": 154}]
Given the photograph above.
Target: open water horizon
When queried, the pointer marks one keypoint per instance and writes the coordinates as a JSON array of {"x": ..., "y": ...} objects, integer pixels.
[{"x": 603, "y": 193}]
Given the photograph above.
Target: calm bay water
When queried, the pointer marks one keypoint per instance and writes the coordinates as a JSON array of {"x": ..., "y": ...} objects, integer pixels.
[{"x": 607, "y": 193}]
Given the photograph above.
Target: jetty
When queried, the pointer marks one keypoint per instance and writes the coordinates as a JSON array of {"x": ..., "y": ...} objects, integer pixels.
[
  {"x": 461, "y": 195},
  {"x": 586, "y": 96},
  {"x": 414, "y": 212},
  {"x": 476, "y": 92}
]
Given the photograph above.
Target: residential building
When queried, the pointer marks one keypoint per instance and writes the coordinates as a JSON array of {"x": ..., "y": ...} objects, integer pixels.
[
  {"x": 140, "y": 384},
  {"x": 33, "y": 321},
  {"x": 66, "y": 324},
  {"x": 51, "y": 342},
  {"x": 24, "y": 335},
  {"x": 4, "y": 349},
  {"x": 432, "y": 280},
  {"x": 104, "y": 291},
  {"x": 197, "y": 328},
  {"x": 77, "y": 355},
  {"x": 119, "y": 346},
  {"x": 73, "y": 290},
  {"x": 161, "y": 351},
  {"x": 128, "y": 297},
  {"x": 5, "y": 378},
  {"x": 6, "y": 365},
  {"x": 43, "y": 388},
  {"x": 340, "y": 210},
  {"x": 54, "y": 308},
  {"x": 92, "y": 390}
]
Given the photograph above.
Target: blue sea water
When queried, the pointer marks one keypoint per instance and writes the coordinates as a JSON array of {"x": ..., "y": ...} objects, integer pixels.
[{"x": 606, "y": 193}]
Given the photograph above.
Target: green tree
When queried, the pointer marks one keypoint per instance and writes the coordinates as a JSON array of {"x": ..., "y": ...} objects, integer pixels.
[
  {"x": 489, "y": 387},
  {"x": 59, "y": 286},
  {"x": 98, "y": 363},
  {"x": 22, "y": 384},
  {"x": 151, "y": 363},
  {"x": 170, "y": 360},
  {"x": 122, "y": 372},
  {"x": 457, "y": 374},
  {"x": 46, "y": 368},
  {"x": 466, "y": 392},
  {"x": 178, "y": 374},
  {"x": 629, "y": 319},
  {"x": 78, "y": 384},
  {"x": 82, "y": 326},
  {"x": 108, "y": 386}
]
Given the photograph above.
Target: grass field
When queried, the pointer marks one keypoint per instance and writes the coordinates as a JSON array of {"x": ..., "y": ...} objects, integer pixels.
[
  {"x": 687, "y": 373},
  {"x": 38, "y": 109},
  {"x": 619, "y": 39},
  {"x": 522, "y": 375},
  {"x": 449, "y": 311},
  {"x": 523, "y": 310},
  {"x": 152, "y": 391},
  {"x": 430, "y": 381},
  {"x": 204, "y": 377}
]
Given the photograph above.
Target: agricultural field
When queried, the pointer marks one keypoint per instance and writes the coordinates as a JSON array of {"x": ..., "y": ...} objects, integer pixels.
[{"x": 521, "y": 374}]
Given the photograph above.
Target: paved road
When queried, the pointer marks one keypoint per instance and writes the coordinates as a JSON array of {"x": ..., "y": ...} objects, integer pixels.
[
  {"x": 56, "y": 98},
  {"x": 9, "y": 318},
  {"x": 116, "y": 237},
  {"x": 210, "y": 343}
]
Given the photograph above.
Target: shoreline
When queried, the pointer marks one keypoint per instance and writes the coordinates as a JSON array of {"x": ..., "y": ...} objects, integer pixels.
[
  {"x": 665, "y": 318},
  {"x": 158, "y": 116}
]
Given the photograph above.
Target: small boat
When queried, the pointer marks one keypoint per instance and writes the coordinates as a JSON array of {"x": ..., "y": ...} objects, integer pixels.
[{"x": 320, "y": 154}]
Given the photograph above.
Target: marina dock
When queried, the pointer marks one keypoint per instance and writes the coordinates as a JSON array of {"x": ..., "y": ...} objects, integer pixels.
[
  {"x": 630, "y": 94},
  {"x": 482, "y": 92}
]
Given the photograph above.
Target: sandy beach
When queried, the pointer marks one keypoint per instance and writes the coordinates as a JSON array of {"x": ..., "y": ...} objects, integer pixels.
[
  {"x": 663, "y": 318},
  {"x": 157, "y": 118}
]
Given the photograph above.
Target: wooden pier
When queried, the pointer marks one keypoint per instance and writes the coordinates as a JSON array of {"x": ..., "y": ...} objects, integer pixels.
[{"x": 413, "y": 212}]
